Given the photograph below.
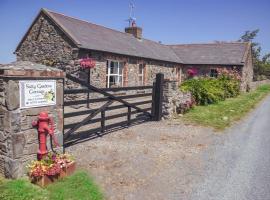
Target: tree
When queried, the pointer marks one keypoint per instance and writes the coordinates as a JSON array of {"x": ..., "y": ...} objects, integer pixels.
[
  {"x": 249, "y": 36},
  {"x": 261, "y": 65},
  {"x": 266, "y": 58}
]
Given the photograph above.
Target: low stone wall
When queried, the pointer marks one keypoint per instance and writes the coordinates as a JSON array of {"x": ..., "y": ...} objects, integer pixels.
[
  {"x": 173, "y": 99},
  {"x": 18, "y": 139},
  {"x": 255, "y": 84}
]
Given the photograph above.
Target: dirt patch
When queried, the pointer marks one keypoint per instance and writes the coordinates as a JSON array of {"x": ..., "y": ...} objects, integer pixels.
[{"x": 154, "y": 160}]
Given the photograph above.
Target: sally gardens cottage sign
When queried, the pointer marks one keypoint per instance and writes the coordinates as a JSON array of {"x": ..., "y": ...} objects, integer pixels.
[{"x": 37, "y": 93}]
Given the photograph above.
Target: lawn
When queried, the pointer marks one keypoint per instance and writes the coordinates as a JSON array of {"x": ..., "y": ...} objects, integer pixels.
[
  {"x": 223, "y": 114},
  {"x": 79, "y": 186}
]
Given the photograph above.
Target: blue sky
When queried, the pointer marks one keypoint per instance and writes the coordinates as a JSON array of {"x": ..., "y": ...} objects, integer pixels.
[{"x": 169, "y": 21}]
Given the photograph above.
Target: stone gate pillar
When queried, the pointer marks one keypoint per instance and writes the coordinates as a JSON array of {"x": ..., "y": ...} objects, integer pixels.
[
  {"x": 173, "y": 97},
  {"x": 25, "y": 90}
]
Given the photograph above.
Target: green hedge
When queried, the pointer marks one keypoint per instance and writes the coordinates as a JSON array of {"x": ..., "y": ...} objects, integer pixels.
[{"x": 208, "y": 90}]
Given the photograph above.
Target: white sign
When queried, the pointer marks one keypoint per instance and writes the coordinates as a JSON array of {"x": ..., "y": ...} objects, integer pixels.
[{"x": 37, "y": 93}]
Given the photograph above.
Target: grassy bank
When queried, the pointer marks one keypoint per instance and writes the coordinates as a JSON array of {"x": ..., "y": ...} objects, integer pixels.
[
  {"x": 78, "y": 186},
  {"x": 223, "y": 114}
]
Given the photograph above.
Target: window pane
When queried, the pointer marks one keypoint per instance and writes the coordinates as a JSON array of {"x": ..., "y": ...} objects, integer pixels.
[
  {"x": 213, "y": 73},
  {"x": 140, "y": 80},
  {"x": 113, "y": 81},
  {"x": 121, "y": 66},
  {"x": 141, "y": 69},
  {"x": 120, "y": 81},
  {"x": 113, "y": 67}
]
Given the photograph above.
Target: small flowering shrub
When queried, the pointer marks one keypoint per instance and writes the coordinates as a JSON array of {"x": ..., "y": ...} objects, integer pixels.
[
  {"x": 207, "y": 90},
  {"x": 185, "y": 107},
  {"x": 50, "y": 165}
]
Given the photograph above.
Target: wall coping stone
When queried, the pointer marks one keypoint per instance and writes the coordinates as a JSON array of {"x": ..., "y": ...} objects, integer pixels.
[{"x": 29, "y": 69}]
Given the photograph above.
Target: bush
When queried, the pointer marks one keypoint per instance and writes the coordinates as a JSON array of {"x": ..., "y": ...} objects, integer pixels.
[
  {"x": 208, "y": 90},
  {"x": 185, "y": 107},
  {"x": 260, "y": 77}
]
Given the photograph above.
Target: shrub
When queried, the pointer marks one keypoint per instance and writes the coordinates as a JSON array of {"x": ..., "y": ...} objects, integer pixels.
[
  {"x": 208, "y": 90},
  {"x": 185, "y": 107}
]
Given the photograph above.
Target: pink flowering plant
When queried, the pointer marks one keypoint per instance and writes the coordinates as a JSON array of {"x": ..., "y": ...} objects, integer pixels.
[
  {"x": 192, "y": 72},
  {"x": 208, "y": 90},
  {"x": 231, "y": 74},
  {"x": 50, "y": 165},
  {"x": 87, "y": 63},
  {"x": 186, "y": 106}
]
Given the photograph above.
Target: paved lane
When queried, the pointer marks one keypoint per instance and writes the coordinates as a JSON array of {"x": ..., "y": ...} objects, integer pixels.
[{"x": 238, "y": 165}]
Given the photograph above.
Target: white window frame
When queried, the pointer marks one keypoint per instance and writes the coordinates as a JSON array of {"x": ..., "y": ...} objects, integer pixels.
[
  {"x": 118, "y": 75},
  {"x": 142, "y": 74}
]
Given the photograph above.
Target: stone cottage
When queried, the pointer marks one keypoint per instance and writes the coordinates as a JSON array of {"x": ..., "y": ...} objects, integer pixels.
[{"x": 124, "y": 58}]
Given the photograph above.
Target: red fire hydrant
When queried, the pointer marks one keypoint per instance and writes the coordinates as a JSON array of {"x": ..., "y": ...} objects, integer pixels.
[{"x": 45, "y": 126}]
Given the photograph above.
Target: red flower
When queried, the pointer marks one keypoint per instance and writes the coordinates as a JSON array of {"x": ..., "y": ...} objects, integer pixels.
[
  {"x": 87, "y": 63},
  {"x": 192, "y": 72}
]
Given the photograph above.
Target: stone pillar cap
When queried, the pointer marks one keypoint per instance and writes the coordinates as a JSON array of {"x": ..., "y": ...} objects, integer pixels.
[{"x": 30, "y": 69}]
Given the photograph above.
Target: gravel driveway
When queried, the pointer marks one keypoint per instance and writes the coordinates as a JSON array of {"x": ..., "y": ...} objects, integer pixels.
[
  {"x": 154, "y": 160},
  {"x": 173, "y": 161}
]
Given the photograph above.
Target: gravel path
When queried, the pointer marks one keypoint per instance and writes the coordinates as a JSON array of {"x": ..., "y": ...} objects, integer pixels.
[{"x": 238, "y": 165}]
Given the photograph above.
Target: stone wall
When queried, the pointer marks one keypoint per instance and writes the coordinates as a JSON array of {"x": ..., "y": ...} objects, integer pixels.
[
  {"x": 131, "y": 69},
  {"x": 173, "y": 99},
  {"x": 18, "y": 139},
  {"x": 45, "y": 43},
  {"x": 247, "y": 73},
  {"x": 204, "y": 70},
  {"x": 254, "y": 85}
]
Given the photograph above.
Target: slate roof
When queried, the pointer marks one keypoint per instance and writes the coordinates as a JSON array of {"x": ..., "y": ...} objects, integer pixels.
[
  {"x": 233, "y": 53},
  {"x": 91, "y": 36}
]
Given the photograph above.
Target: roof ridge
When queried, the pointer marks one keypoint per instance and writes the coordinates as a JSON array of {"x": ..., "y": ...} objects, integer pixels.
[
  {"x": 210, "y": 43},
  {"x": 91, "y": 23}
]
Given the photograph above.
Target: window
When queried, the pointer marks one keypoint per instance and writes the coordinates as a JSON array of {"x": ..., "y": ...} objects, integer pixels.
[
  {"x": 141, "y": 74},
  {"x": 114, "y": 77},
  {"x": 213, "y": 73}
]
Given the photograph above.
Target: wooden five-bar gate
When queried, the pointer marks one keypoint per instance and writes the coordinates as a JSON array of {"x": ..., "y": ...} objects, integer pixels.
[{"x": 88, "y": 122}]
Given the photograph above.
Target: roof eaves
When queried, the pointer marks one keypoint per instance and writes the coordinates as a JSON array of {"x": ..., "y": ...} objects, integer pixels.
[{"x": 130, "y": 55}]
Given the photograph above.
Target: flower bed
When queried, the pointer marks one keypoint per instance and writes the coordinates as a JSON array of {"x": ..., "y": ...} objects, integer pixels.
[{"x": 51, "y": 168}]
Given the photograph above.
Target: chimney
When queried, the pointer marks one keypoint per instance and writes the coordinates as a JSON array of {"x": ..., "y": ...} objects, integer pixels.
[{"x": 134, "y": 30}]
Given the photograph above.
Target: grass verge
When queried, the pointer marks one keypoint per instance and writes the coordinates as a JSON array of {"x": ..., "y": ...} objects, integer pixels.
[
  {"x": 223, "y": 114},
  {"x": 78, "y": 186}
]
